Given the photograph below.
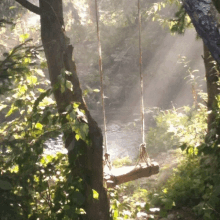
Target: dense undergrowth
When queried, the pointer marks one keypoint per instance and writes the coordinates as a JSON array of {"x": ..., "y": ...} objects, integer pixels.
[
  {"x": 194, "y": 184},
  {"x": 175, "y": 127},
  {"x": 34, "y": 185}
]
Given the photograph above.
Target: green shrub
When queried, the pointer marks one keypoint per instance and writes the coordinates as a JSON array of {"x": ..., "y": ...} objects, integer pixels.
[
  {"x": 195, "y": 183},
  {"x": 34, "y": 185},
  {"x": 175, "y": 127},
  {"x": 119, "y": 162}
]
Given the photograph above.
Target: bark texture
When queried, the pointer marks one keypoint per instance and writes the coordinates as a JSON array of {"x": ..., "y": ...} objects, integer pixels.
[
  {"x": 59, "y": 55},
  {"x": 212, "y": 76},
  {"x": 203, "y": 15},
  {"x": 127, "y": 174}
]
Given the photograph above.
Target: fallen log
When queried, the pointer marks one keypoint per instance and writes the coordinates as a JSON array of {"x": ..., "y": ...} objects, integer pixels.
[{"x": 129, "y": 173}]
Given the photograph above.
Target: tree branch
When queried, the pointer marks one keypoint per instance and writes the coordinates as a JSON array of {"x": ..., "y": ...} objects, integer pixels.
[
  {"x": 203, "y": 16},
  {"x": 3, "y": 21},
  {"x": 29, "y": 6}
]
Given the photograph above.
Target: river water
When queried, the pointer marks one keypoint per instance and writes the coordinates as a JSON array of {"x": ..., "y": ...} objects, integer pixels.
[{"x": 122, "y": 140}]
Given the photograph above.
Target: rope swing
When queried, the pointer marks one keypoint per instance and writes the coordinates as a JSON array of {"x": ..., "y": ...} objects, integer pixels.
[
  {"x": 106, "y": 154},
  {"x": 130, "y": 173},
  {"x": 143, "y": 155}
]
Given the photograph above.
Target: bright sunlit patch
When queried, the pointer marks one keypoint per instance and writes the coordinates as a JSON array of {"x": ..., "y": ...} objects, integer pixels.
[
  {"x": 82, "y": 8},
  {"x": 33, "y": 20}
]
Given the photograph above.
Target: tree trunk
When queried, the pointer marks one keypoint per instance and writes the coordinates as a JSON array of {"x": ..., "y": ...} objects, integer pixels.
[
  {"x": 203, "y": 15},
  {"x": 212, "y": 86},
  {"x": 88, "y": 166}
]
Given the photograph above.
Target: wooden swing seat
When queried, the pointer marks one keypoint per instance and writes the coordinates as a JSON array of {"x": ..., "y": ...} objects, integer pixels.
[{"x": 129, "y": 173}]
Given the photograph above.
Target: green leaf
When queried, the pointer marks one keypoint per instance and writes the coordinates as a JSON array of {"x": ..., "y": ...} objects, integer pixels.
[
  {"x": 115, "y": 214},
  {"x": 23, "y": 89},
  {"x": 40, "y": 98},
  {"x": 43, "y": 65},
  {"x": 41, "y": 90},
  {"x": 72, "y": 114},
  {"x": 95, "y": 194},
  {"x": 163, "y": 213},
  {"x": 39, "y": 126},
  {"x": 11, "y": 111},
  {"x": 207, "y": 216},
  {"x": 12, "y": 7},
  {"x": 147, "y": 206},
  {"x": 49, "y": 158},
  {"x": 24, "y": 37},
  {"x": 32, "y": 80},
  {"x": 86, "y": 128},
  {"x": 76, "y": 105},
  {"x": 85, "y": 92},
  {"x": 66, "y": 207},
  {"x": 5, "y": 185},
  {"x": 69, "y": 85},
  {"x": 168, "y": 203},
  {"x": 77, "y": 137}
]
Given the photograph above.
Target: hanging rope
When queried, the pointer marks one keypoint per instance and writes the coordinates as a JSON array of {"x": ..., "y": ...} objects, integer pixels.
[
  {"x": 143, "y": 155},
  {"x": 141, "y": 75},
  {"x": 106, "y": 155}
]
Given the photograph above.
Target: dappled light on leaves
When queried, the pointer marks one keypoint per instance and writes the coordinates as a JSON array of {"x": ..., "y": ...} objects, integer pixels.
[{"x": 46, "y": 137}]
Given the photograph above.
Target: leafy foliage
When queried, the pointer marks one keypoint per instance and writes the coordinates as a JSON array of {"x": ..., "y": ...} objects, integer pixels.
[
  {"x": 175, "y": 127},
  {"x": 178, "y": 24},
  {"x": 195, "y": 183},
  {"x": 122, "y": 162},
  {"x": 38, "y": 186},
  {"x": 128, "y": 205},
  {"x": 34, "y": 185}
]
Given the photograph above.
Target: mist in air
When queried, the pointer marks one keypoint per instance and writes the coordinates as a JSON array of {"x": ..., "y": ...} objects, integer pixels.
[{"x": 166, "y": 80}]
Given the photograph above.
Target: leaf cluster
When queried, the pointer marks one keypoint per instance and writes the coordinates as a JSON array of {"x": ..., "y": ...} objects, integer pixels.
[
  {"x": 124, "y": 205},
  {"x": 34, "y": 185},
  {"x": 195, "y": 183},
  {"x": 175, "y": 127}
]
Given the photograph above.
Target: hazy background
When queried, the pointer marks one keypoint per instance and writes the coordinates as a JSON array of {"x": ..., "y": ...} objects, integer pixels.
[{"x": 166, "y": 81}]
